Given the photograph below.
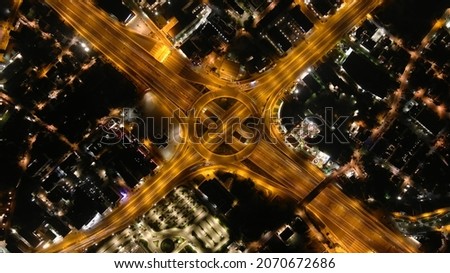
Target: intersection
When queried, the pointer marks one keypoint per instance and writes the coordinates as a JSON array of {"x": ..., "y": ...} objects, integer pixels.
[{"x": 352, "y": 226}]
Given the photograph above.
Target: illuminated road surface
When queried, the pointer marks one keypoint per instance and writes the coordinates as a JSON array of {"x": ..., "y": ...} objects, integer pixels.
[{"x": 358, "y": 231}]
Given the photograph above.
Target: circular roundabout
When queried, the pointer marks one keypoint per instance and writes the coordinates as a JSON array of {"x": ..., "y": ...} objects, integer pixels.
[{"x": 224, "y": 126}]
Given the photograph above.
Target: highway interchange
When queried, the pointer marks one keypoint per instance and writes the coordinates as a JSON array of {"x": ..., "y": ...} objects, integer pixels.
[{"x": 286, "y": 173}]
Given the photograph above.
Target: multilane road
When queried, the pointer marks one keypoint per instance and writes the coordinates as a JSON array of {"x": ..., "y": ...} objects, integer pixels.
[{"x": 357, "y": 231}]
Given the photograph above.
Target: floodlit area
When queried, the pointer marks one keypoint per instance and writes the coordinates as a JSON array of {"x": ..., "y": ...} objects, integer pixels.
[{"x": 177, "y": 223}]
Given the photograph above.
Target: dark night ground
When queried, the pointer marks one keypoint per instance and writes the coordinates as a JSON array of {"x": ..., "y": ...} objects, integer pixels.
[{"x": 411, "y": 19}]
